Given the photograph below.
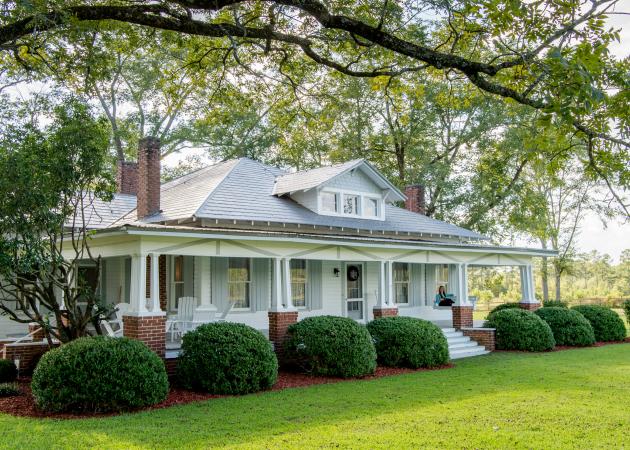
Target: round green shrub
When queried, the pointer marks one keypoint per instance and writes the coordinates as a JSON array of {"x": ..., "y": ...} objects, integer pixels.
[
  {"x": 518, "y": 329},
  {"x": 626, "y": 310},
  {"x": 569, "y": 327},
  {"x": 9, "y": 390},
  {"x": 8, "y": 371},
  {"x": 606, "y": 323},
  {"x": 227, "y": 358},
  {"x": 502, "y": 307},
  {"x": 331, "y": 346},
  {"x": 99, "y": 374},
  {"x": 555, "y": 304},
  {"x": 408, "y": 342}
]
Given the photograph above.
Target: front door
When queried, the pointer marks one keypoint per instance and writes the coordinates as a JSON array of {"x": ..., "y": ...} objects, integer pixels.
[{"x": 354, "y": 291}]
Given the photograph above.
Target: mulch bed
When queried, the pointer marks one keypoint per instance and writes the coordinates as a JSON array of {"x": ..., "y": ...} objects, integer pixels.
[{"x": 24, "y": 405}]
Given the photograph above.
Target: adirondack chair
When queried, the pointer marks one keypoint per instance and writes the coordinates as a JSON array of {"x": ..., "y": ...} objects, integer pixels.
[
  {"x": 119, "y": 310},
  {"x": 185, "y": 319}
]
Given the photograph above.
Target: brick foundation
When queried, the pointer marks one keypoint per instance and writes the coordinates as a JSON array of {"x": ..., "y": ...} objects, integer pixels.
[
  {"x": 462, "y": 316},
  {"x": 279, "y": 321},
  {"x": 529, "y": 306},
  {"x": 483, "y": 336},
  {"x": 385, "y": 312},
  {"x": 171, "y": 366},
  {"x": 38, "y": 332},
  {"x": 27, "y": 352},
  {"x": 149, "y": 329}
]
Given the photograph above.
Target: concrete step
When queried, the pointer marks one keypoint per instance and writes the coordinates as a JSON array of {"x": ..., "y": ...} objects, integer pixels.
[
  {"x": 453, "y": 334},
  {"x": 469, "y": 344},
  {"x": 468, "y": 352},
  {"x": 458, "y": 340},
  {"x": 448, "y": 330}
]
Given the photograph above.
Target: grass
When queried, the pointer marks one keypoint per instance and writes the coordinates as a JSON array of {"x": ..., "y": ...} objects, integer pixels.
[{"x": 577, "y": 398}]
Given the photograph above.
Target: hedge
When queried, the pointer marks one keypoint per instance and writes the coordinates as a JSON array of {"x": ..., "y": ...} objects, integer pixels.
[
  {"x": 518, "y": 329},
  {"x": 606, "y": 323},
  {"x": 555, "y": 304},
  {"x": 99, "y": 374},
  {"x": 569, "y": 327},
  {"x": 504, "y": 306},
  {"x": 8, "y": 371},
  {"x": 408, "y": 342},
  {"x": 331, "y": 346},
  {"x": 227, "y": 358}
]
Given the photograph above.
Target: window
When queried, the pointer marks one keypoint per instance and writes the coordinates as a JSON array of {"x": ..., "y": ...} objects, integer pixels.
[
  {"x": 351, "y": 204},
  {"x": 441, "y": 277},
  {"x": 238, "y": 282},
  {"x": 178, "y": 278},
  {"x": 329, "y": 202},
  {"x": 401, "y": 283},
  {"x": 298, "y": 282},
  {"x": 371, "y": 207}
]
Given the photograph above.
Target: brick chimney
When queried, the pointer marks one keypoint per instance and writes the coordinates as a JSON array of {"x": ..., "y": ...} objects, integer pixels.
[
  {"x": 148, "y": 177},
  {"x": 415, "y": 199},
  {"x": 127, "y": 178}
]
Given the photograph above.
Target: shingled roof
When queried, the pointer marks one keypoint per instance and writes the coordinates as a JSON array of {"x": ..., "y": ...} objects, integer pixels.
[{"x": 246, "y": 190}]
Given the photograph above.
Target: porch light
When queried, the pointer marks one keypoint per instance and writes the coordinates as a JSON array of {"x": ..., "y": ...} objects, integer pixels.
[{"x": 336, "y": 272}]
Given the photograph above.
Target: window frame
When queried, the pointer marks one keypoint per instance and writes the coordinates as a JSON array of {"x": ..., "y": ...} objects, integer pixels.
[
  {"x": 439, "y": 282},
  {"x": 304, "y": 282},
  {"x": 406, "y": 282},
  {"x": 362, "y": 199},
  {"x": 248, "y": 284},
  {"x": 335, "y": 195}
]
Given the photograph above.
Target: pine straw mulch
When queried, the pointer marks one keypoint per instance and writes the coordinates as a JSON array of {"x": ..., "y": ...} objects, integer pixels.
[{"x": 24, "y": 405}]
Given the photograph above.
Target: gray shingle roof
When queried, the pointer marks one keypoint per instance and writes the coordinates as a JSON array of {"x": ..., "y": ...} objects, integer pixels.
[
  {"x": 308, "y": 179},
  {"x": 243, "y": 190},
  {"x": 100, "y": 214}
]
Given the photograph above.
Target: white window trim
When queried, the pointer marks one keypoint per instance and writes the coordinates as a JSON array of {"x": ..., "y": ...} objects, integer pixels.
[
  {"x": 408, "y": 283},
  {"x": 250, "y": 308},
  {"x": 439, "y": 282},
  {"x": 307, "y": 300},
  {"x": 171, "y": 303},
  {"x": 362, "y": 198}
]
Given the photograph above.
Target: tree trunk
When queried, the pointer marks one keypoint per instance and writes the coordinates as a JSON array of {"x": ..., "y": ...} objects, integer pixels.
[
  {"x": 557, "y": 276},
  {"x": 544, "y": 273}
]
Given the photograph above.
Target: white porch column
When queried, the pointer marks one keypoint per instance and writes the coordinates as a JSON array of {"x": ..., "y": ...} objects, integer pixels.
[
  {"x": 381, "y": 301},
  {"x": 155, "y": 282},
  {"x": 138, "y": 293},
  {"x": 206, "y": 311},
  {"x": 463, "y": 284},
  {"x": 276, "y": 286},
  {"x": 391, "y": 303},
  {"x": 527, "y": 284},
  {"x": 286, "y": 285}
]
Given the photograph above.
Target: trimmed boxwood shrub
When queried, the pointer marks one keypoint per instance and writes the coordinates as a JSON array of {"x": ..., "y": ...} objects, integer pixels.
[
  {"x": 504, "y": 306},
  {"x": 408, "y": 342},
  {"x": 555, "y": 304},
  {"x": 8, "y": 371},
  {"x": 9, "y": 390},
  {"x": 331, "y": 346},
  {"x": 99, "y": 374},
  {"x": 518, "y": 329},
  {"x": 626, "y": 309},
  {"x": 227, "y": 358},
  {"x": 569, "y": 327},
  {"x": 606, "y": 323}
]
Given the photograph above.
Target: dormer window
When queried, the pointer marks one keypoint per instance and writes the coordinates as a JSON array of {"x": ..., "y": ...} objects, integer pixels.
[
  {"x": 371, "y": 208},
  {"x": 330, "y": 202},
  {"x": 351, "y": 204}
]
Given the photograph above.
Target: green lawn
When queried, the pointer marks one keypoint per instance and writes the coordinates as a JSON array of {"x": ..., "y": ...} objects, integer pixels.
[{"x": 578, "y": 398}]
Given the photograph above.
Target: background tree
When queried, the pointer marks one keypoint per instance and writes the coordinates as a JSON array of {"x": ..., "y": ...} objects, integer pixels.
[{"x": 51, "y": 175}]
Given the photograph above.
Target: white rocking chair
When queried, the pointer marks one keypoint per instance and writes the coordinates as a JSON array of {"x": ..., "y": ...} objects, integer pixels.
[{"x": 185, "y": 319}]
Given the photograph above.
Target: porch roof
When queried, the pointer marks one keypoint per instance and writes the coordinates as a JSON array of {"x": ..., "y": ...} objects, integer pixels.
[{"x": 305, "y": 237}]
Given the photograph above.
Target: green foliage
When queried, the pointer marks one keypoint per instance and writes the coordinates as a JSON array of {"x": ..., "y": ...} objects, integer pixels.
[
  {"x": 626, "y": 310},
  {"x": 408, "y": 342},
  {"x": 606, "y": 323},
  {"x": 569, "y": 327},
  {"x": 555, "y": 304},
  {"x": 502, "y": 307},
  {"x": 227, "y": 358},
  {"x": 9, "y": 390},
  {"x": 99, "y": 374},
  {"x": 8, "y": 371},
  {"x": 331, "y": 346},
  {"x": 518, "y": 329},
  {"x": 51, "y": 175}
]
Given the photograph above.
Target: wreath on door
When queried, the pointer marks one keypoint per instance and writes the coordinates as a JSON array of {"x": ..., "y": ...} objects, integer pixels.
[{"x": 353, "y": 273}]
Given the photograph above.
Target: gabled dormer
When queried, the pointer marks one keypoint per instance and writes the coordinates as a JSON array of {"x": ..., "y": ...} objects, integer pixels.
[{"x": 352, "y": 189}]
